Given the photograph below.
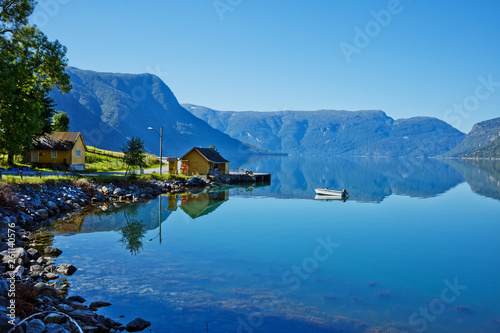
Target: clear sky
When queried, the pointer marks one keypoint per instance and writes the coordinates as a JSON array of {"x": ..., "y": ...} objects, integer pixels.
[{"x": 407, "y": 58}]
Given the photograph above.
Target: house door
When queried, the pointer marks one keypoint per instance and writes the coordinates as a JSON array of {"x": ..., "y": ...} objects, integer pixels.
[{"x": 34, "y": 156}]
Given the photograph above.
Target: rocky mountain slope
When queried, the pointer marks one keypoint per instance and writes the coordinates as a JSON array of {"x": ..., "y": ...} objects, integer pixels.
[
  {"x": 482, "y": 141},
  {"x": 109, "y": 108},
  {"x": 331, "y": 132}
]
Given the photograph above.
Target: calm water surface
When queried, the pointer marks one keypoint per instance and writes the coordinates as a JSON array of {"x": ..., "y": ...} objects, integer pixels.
[{"x": 415, "y": 249}]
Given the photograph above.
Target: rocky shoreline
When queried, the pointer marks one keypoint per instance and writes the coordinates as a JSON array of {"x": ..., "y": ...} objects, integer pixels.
[{"x": 30, "y": 284}]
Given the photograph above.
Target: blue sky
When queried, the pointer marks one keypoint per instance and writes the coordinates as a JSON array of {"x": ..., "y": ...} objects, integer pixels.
[{"x": 407, "y": 58}]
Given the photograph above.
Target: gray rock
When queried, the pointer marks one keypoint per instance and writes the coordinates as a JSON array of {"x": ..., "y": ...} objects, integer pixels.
[
  {"x": 110, "y": 323},
  {"x": 52, "y": 206},
  {"x": 118, "y": 191},
  {"x": 55, "y": 318},
  {"x": 55, "y": 328},
  {"x": 17, "y": 253},
  {"x": 50, "y": 269},
  {"x": 90, "y": 329},
  {"x": 82, "y": 314},
  {"x": 42, "y": 213},
  {"x": 65, "y": 308},
  {"x": 35, "y": 326},
  {"x": 99, "y": 304},
  {"x": 51, "y": 276},
  {"x": 105, "y": 190},
  {"x": 33, "y": 254},
  {"x": 36, "y": 268},
  {"x": 66, "y": 269},
  {"x": 79, "y": 299},
  {"x": 137, "y": 325},
  {"x": 77, "y": 305},
  {"x": 48, "y": 290},
  {"x": 52, "y": 251}
]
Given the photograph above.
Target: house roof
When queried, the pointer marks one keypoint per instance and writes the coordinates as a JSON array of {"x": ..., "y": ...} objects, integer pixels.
[
  {"x": 209, "y": 154},
  {"x": 58, "y": 141}
]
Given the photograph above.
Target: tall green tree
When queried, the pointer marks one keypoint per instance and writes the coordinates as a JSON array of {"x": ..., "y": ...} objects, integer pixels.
[
  {"x": 135, "y": 153},
  {"x": 60, "y": 122},
  {"x": 30, "y": 67}
]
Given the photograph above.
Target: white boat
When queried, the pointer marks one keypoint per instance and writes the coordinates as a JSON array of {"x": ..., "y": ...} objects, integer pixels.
[
  {"x": 329, "y": 197},
  {"x": 325, "y": 191}
]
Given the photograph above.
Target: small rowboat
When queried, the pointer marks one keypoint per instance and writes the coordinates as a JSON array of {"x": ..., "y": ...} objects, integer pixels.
[{"x": 333, "y": 193}]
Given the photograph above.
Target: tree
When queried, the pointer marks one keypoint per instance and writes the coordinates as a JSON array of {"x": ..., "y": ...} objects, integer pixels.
[
  {"x": 60, "y": 122},
  {"x": 30, "y": 67},
  {"x": 213, "y": 147},
  {"x": 135, "y": 153},
  {"x": 132, "y": 235}
]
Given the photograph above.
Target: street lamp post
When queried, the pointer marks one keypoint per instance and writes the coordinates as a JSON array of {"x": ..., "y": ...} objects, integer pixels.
[{"x": 161, "y": 146}]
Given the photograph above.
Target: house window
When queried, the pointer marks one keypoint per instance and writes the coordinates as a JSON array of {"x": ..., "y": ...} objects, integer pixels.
[
  {"x": 78, "y": 153},
  {"x": 53, "y": 153}
]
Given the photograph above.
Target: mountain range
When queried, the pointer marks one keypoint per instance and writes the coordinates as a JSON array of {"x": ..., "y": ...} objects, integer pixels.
[
  {"x": 109, "y": 108},
  {"x": 333, "y": 132}
]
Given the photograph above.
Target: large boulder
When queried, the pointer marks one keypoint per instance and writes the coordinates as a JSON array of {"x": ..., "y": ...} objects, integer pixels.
[
  {"x": 52, "y": 251},
  {"x": 33, "y": 254},
  {"x": 137, "y": 325},
  {"x": 66, "y": 269},
  {"x": 15, "y": 254}
]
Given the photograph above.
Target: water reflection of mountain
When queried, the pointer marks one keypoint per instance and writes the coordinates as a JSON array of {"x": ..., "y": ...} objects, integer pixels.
[
  {"x": 483, "y": 176},
  {"x": 367, "y": 179}
]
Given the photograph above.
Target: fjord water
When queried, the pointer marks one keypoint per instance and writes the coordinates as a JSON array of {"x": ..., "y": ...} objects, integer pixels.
[{"x": 415, "y": 248}]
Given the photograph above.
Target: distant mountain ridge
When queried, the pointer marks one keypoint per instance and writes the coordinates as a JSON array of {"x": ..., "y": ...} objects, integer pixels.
[
  {"x": 109, "y": 108},
  {"x": 482, "y": 141},
  {"x": 333, "y": 132}
]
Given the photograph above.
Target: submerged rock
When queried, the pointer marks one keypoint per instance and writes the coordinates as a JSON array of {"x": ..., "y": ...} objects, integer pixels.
[
  {"x": 137, "y": 325},
  {"x": 99, "y": 304},
  {"x": 78, "y": 299}
]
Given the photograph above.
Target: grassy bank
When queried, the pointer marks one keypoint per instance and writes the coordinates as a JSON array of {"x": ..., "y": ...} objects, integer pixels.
[
  {"x": 100, "y": 179},
  {"x": 97, "y": 160}
]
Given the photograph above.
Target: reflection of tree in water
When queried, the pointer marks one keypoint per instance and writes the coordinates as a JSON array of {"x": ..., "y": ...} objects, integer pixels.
[{"x": 132, "y": 235}]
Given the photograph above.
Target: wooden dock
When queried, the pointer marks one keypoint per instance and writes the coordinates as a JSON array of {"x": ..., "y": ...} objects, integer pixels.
[{"x": 250, "y": 178}]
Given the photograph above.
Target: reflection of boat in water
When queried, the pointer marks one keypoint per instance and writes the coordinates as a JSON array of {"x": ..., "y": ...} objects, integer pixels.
[
  {"x": 330, "y": 197},
  {"x": 332, "y": 193}
]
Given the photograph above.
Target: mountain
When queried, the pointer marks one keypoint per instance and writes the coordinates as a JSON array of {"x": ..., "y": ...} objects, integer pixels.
[
  {"x": 110, "y": 108},
  {"x": 332, "y": 132},
  {"x": 482, "y": 135},
  {"x": 491, "y": 150}
]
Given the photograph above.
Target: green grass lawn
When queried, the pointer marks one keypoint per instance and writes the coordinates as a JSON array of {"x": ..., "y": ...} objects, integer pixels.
[{"x": 99, "y": 160}]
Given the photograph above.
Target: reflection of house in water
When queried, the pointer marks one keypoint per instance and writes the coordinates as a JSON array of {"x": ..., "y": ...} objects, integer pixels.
[{"x": 203, "y": 203}]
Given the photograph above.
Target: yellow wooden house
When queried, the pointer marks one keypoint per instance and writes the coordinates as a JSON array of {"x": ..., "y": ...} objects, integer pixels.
[
  {"x": 204, "y": 161},
  {"x": 58, "y": 150}
]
